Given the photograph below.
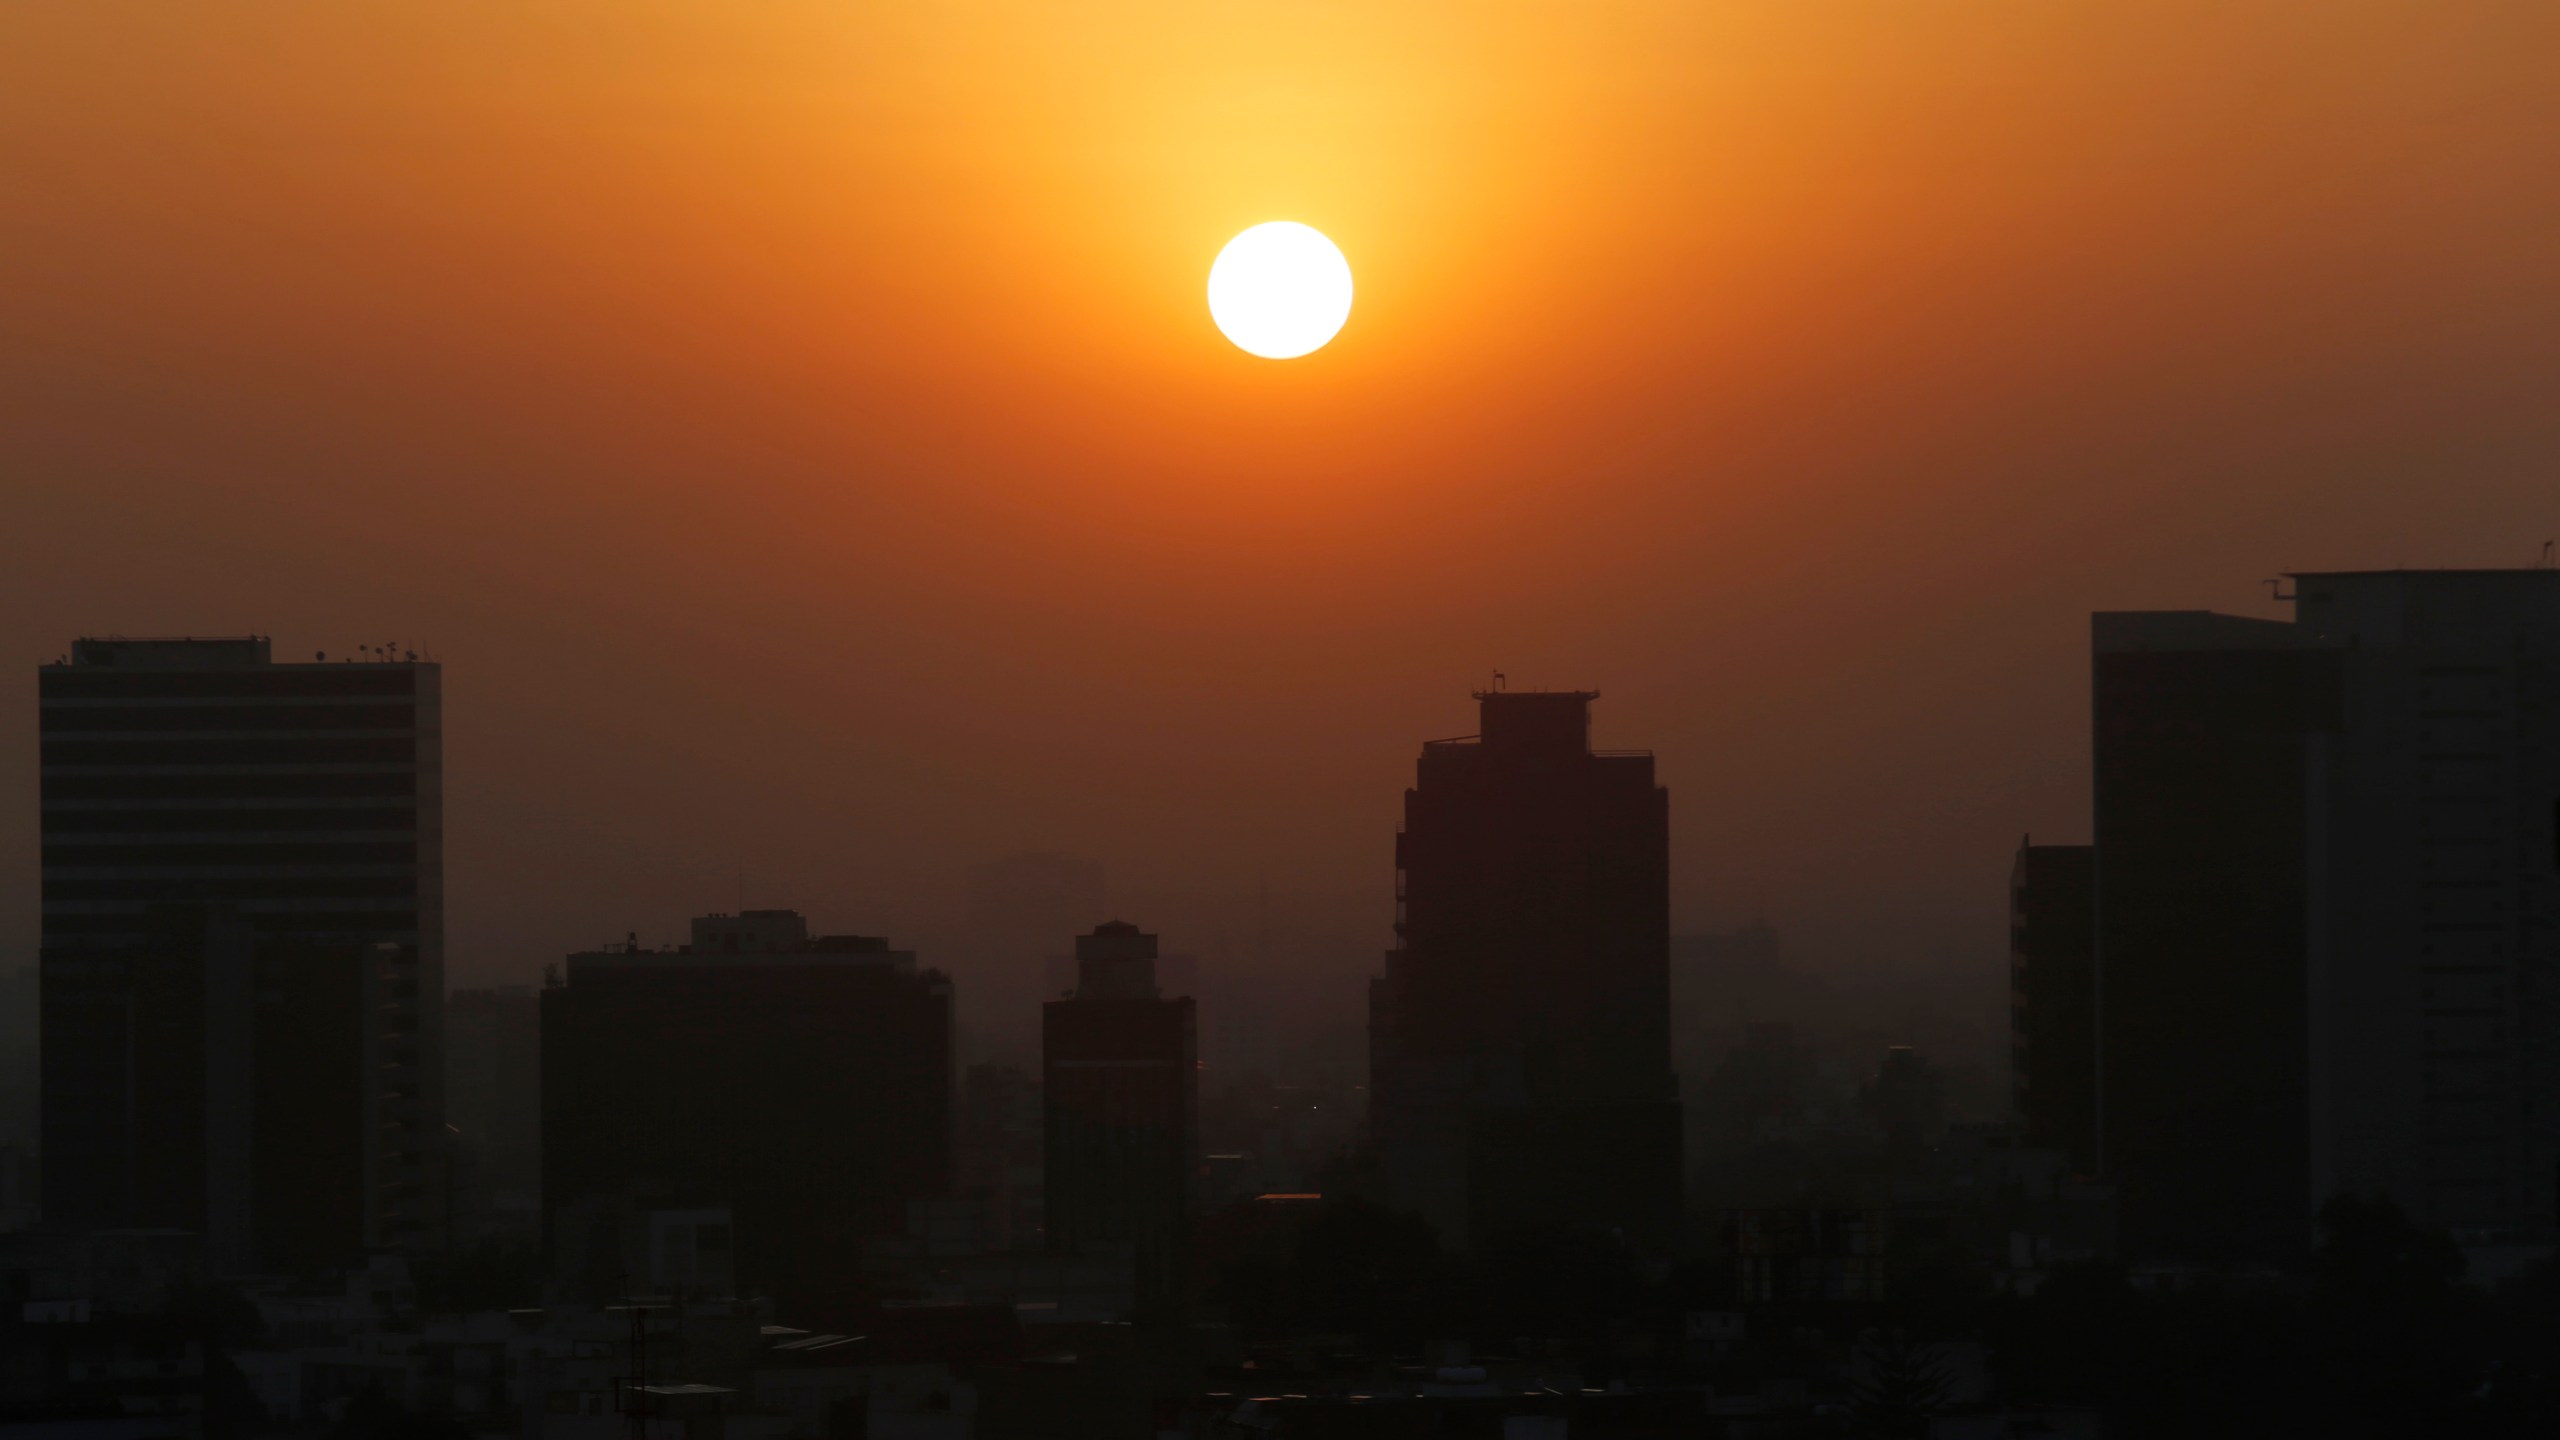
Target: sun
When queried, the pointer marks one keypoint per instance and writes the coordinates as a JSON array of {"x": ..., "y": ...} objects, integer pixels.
[{"x": 1280, "y": 290}]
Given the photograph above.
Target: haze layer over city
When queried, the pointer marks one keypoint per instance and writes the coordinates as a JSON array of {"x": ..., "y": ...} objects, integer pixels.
[{"x": 797, "y": 430}]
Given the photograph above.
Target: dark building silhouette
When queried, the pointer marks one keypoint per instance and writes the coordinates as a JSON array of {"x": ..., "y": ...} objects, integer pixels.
[
  {"x": 2053, "y": 1015},
  {"x": 1520, "y": 1071},
  {"x": 2327, "y": 889},
  {"x": 801, "y": 1082},
  {"x": 2203, "y": 1036},
  {"x": 1121, "y": 1094},
  {"x": 493, "y": 1102},
  {"x": 1001, "y": 1162},
  {"x": 251, "y": 1065},
  {"x": 243, "y": 947},
  {"x": 19, "y": 1006},
  {"x": 1906, "y": 1101}
]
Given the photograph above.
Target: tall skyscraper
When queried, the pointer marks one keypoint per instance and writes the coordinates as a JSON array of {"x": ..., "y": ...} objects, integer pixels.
[
  {"x": 2328, "y": 901},
  {"x": 2200, "y": 811},
  {"x": 802, "y": 1082},
  {"x": 1520, "y": 1051},
  {"x": 2053, "y": 998},
  {"x": 1120, "y": 1063},
  {"x": 243, "y": 946}
]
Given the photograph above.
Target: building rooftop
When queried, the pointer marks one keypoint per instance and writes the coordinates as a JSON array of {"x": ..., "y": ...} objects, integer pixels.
[
  {"x": 214, "y": 652},
  {"x": 171, "y": 652}
]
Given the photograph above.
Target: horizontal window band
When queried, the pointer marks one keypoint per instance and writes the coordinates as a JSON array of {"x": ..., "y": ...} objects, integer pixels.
[
  {"x": 150, "y": 891},
  {"x": 156, "y": 719},
  {"x": 143, "y": 822},
  {"x": 91, "y": 855},
  {"x": 229, "y": 751},
  {"x": 64, "y": 789},
  {"x": 315, "y": 922},
  {"x": 295, "y": 682}
]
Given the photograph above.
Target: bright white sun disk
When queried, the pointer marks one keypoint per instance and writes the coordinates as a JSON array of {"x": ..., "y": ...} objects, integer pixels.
[{"x": 1280, "y": 290}]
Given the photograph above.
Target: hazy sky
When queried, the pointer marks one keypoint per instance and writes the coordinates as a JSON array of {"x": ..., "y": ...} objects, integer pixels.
[{"x": 798, "y": 429}]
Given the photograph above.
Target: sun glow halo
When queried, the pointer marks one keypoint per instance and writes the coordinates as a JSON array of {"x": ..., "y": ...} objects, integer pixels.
[{"x": 1280, "y": 290}]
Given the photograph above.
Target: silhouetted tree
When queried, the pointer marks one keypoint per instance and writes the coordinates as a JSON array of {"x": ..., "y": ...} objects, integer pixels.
[
  {"x": 2395, "y": 1338},
  {"x": 1567, "y": 1284},
  {"x": 492, "y": 1275},
  {"x": 373, "y": 1415},
  {"x": 1900, "y": 1386},
  {"x": 1352, "y": 1267},
  {"x": 2371, "y": 1254}
]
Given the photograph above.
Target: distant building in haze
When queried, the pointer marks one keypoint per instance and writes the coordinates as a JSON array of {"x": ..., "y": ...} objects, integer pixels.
[
  {"x": 1000, "y": 1163},
  {"x": 1121, "y": 1090},
  {"x": 493, "y": 1101},
  {"x": 1520, "y": 1070},
  {"x": 2053, "y": 1015},
  {"x": 243, "y": 947},
  {"x": 2328, "y": 911},
  {"x": 801, "y": 1082}
]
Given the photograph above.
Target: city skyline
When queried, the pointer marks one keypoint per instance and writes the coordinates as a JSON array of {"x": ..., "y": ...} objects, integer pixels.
[{"x": 1754, "y": 719}]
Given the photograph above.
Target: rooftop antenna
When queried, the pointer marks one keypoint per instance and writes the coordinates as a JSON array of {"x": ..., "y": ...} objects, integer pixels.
[{"x": 2545, "y": 562}]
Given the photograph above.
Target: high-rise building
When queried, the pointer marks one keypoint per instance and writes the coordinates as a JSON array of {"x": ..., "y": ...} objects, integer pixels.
[
  {"x": 1000, "y": 1163},
  {"x": 1520, "y": 1060},
  {"x": 2053, "y": 1016},
  {"x": 803, "y": 1083},
  {"x": 243, "y": 946},
  {"x": 18, "y": 1010},
  {"x": 2199, "y": 816},
  {"x": 2328, "y": 911},
  {"x": 1121, "y": 1088}
]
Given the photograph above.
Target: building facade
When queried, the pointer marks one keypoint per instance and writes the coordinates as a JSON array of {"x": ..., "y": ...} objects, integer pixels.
[
  {"x": 1121, "y": 1100},
  {"x": 803, "y": 1083},
  {"x": 493, "y": 1104},
  {"x": 2328, "y": 901},
  {"x": 2053, "y": 999},
  {"x": 1520, "y": 1062},
  {"x": 2199, "y": 813},
  {"x": 243, "y": 946}
]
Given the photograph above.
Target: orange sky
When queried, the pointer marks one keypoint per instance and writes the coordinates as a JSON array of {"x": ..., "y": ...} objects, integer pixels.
[{"x": 798, "y": 428}]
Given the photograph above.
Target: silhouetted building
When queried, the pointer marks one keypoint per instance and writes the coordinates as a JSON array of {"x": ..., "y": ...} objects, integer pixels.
[
  {"x": 2053, "y": 1015},
  {"x": 2326, "y": 893},
  {"x": 1906, "y": 1101},
  {"x": 493, "y": 1101},
  {"x": 1520, "y": 1072},
  {"x": 261, "y": 1074},
  {"x": 804, "y": 1083},
  {"x": 19, "y": 1004},
  {"x": 2200, "y": 810},
  {"x": 243, "y": 951},
  {"x": 1121, "y": 1091},
  {"x": 1001, "y": 1163}
]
